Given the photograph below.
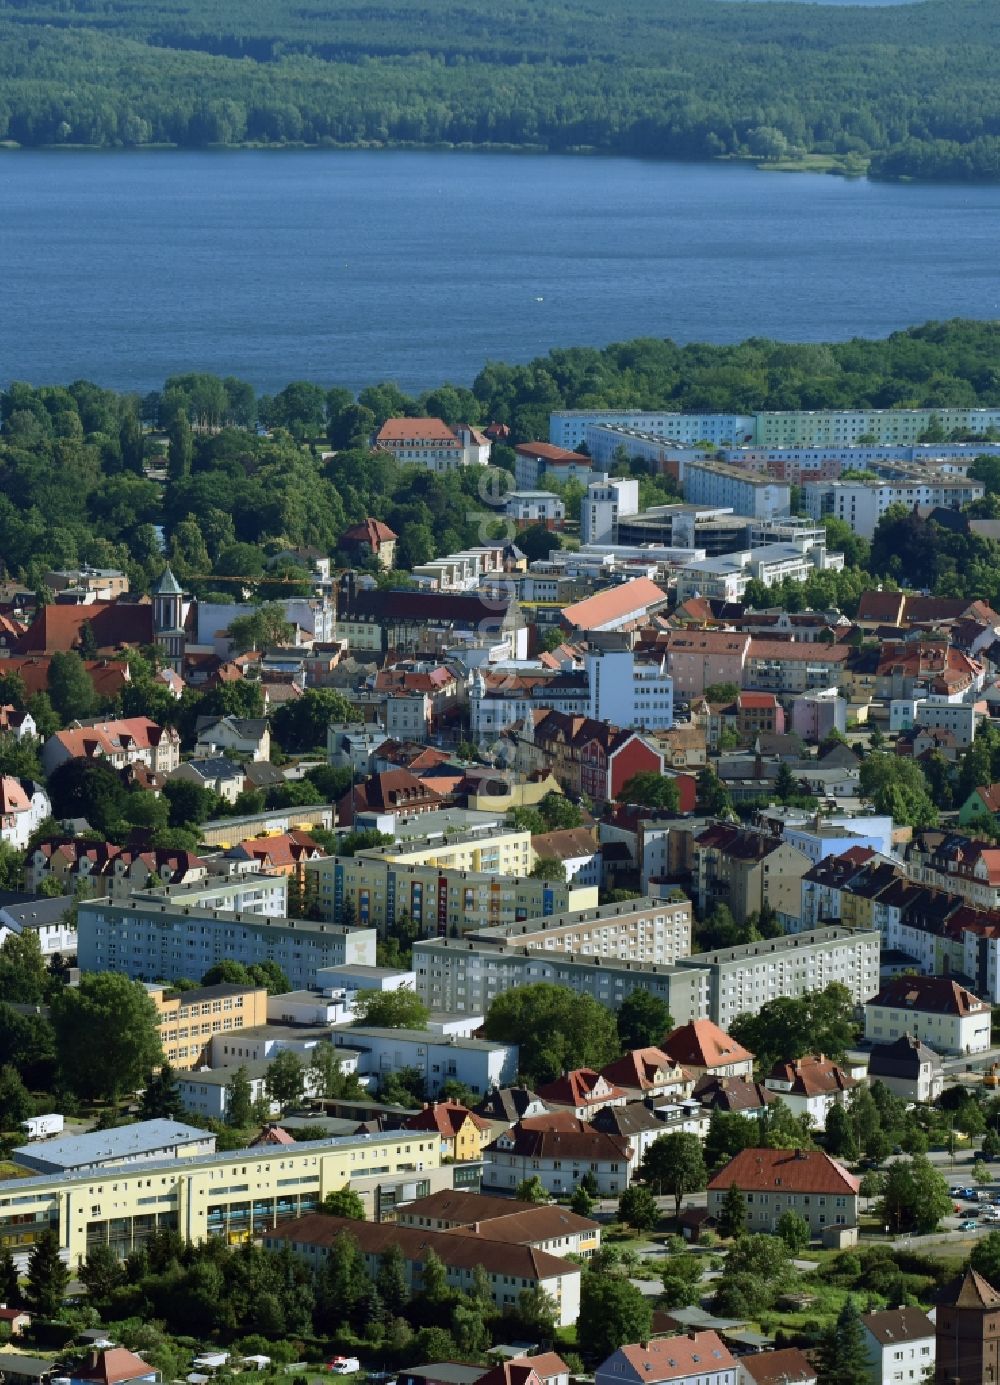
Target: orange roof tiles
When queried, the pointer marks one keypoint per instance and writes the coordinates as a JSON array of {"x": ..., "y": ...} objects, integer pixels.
[
  {"x": 703, "y": 1044},
  {"x": 791, "y": 1170},
  {"x": 401, "y": 430},
  {"x": 629, "y": 600}
]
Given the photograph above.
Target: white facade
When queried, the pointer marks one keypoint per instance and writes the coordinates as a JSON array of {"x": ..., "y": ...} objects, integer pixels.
[
  {"x": 626, "y": 691},
  {"x": 477, "y": 1063},
  {"x": 717, "y": 484},
  {"x": 861, "y": 504},
  {"x": 50, "y": 920},
  {"x": 903, "y": 1359},
  {"x": 24, "y": 805},
  {"x": 534, "y": 507},
  {"x": 937, "y": 713},
  {"x": 945, "y": 1033},
  {"x": 726, "y": 577},
  {"x": 568, "y": 427},
  {"x": 607, "y": 500}
]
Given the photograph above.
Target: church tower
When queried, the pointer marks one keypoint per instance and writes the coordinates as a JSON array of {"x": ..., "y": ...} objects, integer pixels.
[
  {"x": 968, "y": 1334},
  {"x": 168, "y": 620}
]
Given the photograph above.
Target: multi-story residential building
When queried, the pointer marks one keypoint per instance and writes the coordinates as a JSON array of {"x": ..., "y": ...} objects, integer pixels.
[
  {"x": 463, "y": 1134},
  {"x": 466, "y": 571},
  {"x": 160, "y": 934},
  {"x": 465, "y": 975},
  {"x": 697, "y": 659},
  {"x": 861, "y": 504},
  {"x": 810, "y": 1086},
  {"x": 816, "y": 715},
  {"x": 499, "y": 698},
  {"x": 717, "y": 483},
  {"x": 785, "y": 666},
  {"x": 584, "y": 754},
  {"x": 526, "y": 507},
  {"x": 432, "y": 444},
  {"x": 743, "y": 979},
  {"x": 478, "y": 1064},
  {"x": 553, "y": 1229},
  {"x": 510, "y": 1269},
  {"x": 188, "y": 1019},
  {"x": 908, "y": 1068},
  {"x": 746, "y": 870},
  {"x": 370, "y": 539},
  {"x": 532, "y": 460},
  {"x": 427, "y": 623},
  {"x": 568, "y": 427},
  {"x": 630, "y": 690},
  {"x": 456, "y": 839},
  {"x": 24, "y": 806},
  {"x": 644, "y": 930},
  {"x": 705, "y": 1050},
  {"x": 956, "y": 863},
  {"x": 88, "y": 583},
  {"x": 209, "y": 1195},
  {"x": 726, "y": 577},
  {"x": 373, "y": 891},
  {"x": 52, "y": 919},
  {"x": 697, "y": 1358},
  {"x": 133, "y": 740},
  {"x": 243, "y": 735},
  {"x": 559, "y": 1149},
  {"x": 943, "y": 1014},
  {"x": 901, "y": 1345},
  {"x": 608, "y": 499},
  {"x": 775, "y": 1181}
]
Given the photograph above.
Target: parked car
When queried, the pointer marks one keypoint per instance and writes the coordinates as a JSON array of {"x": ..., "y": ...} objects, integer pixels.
[
  {"x": 969, "y": 1225},
  {"x": 344, "y": 1365}
]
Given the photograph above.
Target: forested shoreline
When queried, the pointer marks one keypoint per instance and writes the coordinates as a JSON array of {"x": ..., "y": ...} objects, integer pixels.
[{"x": 914, "y": 88}]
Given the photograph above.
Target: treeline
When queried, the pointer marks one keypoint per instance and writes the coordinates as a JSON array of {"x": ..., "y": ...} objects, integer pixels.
[
  {"x": 82, "y": 469},
  {"x": 941, "y": 160},
  {"x": 694, "y": 80}
]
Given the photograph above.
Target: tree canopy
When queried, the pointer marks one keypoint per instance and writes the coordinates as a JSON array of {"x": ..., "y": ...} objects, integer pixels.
[{"x": 556, "y": 1029}]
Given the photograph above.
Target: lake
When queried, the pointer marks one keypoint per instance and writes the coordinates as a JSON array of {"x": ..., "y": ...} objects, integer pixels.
[{"x": 348, "y": 268}]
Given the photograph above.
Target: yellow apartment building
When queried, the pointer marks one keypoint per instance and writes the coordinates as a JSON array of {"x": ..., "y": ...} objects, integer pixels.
[{"x": 188, "y": 1019}]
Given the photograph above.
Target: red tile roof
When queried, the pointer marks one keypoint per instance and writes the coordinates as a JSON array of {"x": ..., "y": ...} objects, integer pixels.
[
  {"x": 676, "y": 1358},
  {"x": 547, "y": 452},
  {"x": 812, "y": 1075},
  {"x": 786, "y": 1367},
  {"x": 702, "y": 1044},
  {"x": 114, "y": 623},
  {"x": 629, "y": 600},
  {"x": 937, "y": 995},
  {"x": 114, "y": 737},
  {"x": 370, "y": 532},
  {"x": 640, "y": 1068},
  {"x": 446, "y": 1118},
  {"x": 581, "y": 1087},
  {"x": 431, "y": 430},
  {"x": 792, "y": 1170},
  {"x": 113, "y": 1366}
]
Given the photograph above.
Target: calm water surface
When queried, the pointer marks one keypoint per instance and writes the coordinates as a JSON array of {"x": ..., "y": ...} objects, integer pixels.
[{"x": 353, "y": 267}]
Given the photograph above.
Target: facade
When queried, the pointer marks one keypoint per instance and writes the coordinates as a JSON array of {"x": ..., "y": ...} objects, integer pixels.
[
  {"x": 478, "y": 1064},
  {"x": 558, "y": 1151},
  {"x": 188, "y": 1019},
  {"x": 432, "y": 444},
  {"x": 774, "y": 1181},
  {"x": 129, "y": 741},
  {"x": 374, "y": 892},
  {"x": 24, "y": 805},
  {"x": 627, "y": 690},
  {"x": 534, "y": 507},
  {"x": 532, "y": 460},
  {"x": 901, "y": 1344},
  {"x": 209, "y": 1195},
  {"x": 462, "y": 975},
  {"x": 696, "y": 1358},
  {"x": 861, "y": 504},
  {"x": 141, "y": 1143},
  {"x": 726, "y": 577},
  {"x": 718, "y": 484},
  {"x": 935, "y": 1009},
  {"x": 743, "y": 979},
  {"x": 607, "y": 500},
  {"x": 908, "y": 1068},
  {"x": 462, "y": 1133},
  {"x": 50, "y": 918},
  {"x": 697, "y": 659},
  {"x": 370, "y": 539},
  {"x": 705, "y": 1050},
  {"x": 148, "y": 937},
  {"x": 511, "y": 1269},
  {"x": 816, "y": 715},
  {"x": 553, "y": 1229},
  {"x": 810, "y": 1086},
  {"x": 746, "y": 870},
  {"x": 967, "y": 1347},
  {"x": 244, "y": 735},
  {"x": 616, "y": 608}
]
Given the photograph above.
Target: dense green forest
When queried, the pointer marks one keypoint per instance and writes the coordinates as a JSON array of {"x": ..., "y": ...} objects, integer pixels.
[
  {"x": 690, "y": 79},
  {"x": 84, "y": 478}
]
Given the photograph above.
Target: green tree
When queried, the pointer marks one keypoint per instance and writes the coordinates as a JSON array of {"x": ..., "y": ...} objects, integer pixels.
[
  {"x": 612, "y": 1312},
  {"x": 24, "y": 976},
  {"x": 675, "y": 1164},
  {"x": 637, "y": 1207},
  {"x": 88, "y": 789},
  {"x": 16, "y": 1104},
  {"x": 434, "y": 1279},
  {"x": 555, "y": 1028},
  {"x": 786, "y": 785},
  {"x": 267, "y": 625},
  {"x": 180, "y": 447},
  {"x": 843, "y": 1356},
  {"x": 101, "y": 1274},
  {"x": 300, "y": 725},
  {"x": 70, "y": 688},
  {"x": 344, "y": 1202},
  {"x": 915, "y": 1197},
  {"x": 285, "y": 1080},
  {"x": 10, "y": 1280},
  {"x": 532, "y": 1190},
  {"x": 162, "y": 1099},
  {"x": 712, "y": 794},
  {"x": 48, "y": 1278},
  {"x": 581, "y": 1202},
  {"x": 239, "y": 1099},
  {"x": 400, "y": 1009},
  {"x": 733, "y": 1214},
  {"x": 558, "y": 813},
  {"x": 841, "y": 1139},
  {"x": 107, "y": 1036},
  {"x": 794, "y": 1231},
  {"x": 789, "y": 1027},
  {"x": 897, "y": 786},
  {"x": 643, "y": 1020},
  {"x": 548, "y": 868},
  {"x": 390, "y": 1279},
  {"x": 653, "y": 791}
]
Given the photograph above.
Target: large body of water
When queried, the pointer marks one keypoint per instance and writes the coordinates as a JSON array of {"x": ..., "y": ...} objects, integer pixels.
[{"x": 348, "y": 268}]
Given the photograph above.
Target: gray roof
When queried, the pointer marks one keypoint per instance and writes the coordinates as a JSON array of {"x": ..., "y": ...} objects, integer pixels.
[
  {"x": 216, "y": 767},
  {"x": 166, "y": 584},
  {"x": 13, "y": 1363},
  {"x": 419, "y": 1036},
  {"x": 243, "y": 726},
  {"x": 78, "y": 1151},
  {"x": 36, "y": 911}
]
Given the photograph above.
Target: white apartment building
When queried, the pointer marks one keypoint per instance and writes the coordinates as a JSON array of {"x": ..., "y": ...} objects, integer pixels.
[
  {"x": 901, "y": 1345},
  {"x": 718, "y": 484},
  {"x": 607, "y": 500},
  {"x": 937, "y": 713},
  {"x": 568, "y": 427},
  {"x": 628, "y": 691},
  {"x": 478, "y": 1064},
  {"x": 534, "y": 507},
  {"x": 861, "y": 504},
  {"x": 456, "y": 974},
  {"x": 460, "y": 572},
  {"x": 935, "y": 1009}
]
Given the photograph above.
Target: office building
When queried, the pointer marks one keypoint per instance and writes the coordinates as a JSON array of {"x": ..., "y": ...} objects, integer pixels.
[
  {"x": 726, "y": 577},
  {"x": 188, "y": 1019},
  {"x": 719, "y": 484}
]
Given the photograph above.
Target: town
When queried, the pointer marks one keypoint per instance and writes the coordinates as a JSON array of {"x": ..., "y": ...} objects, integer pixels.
[{"x": 499, "y": 912}]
